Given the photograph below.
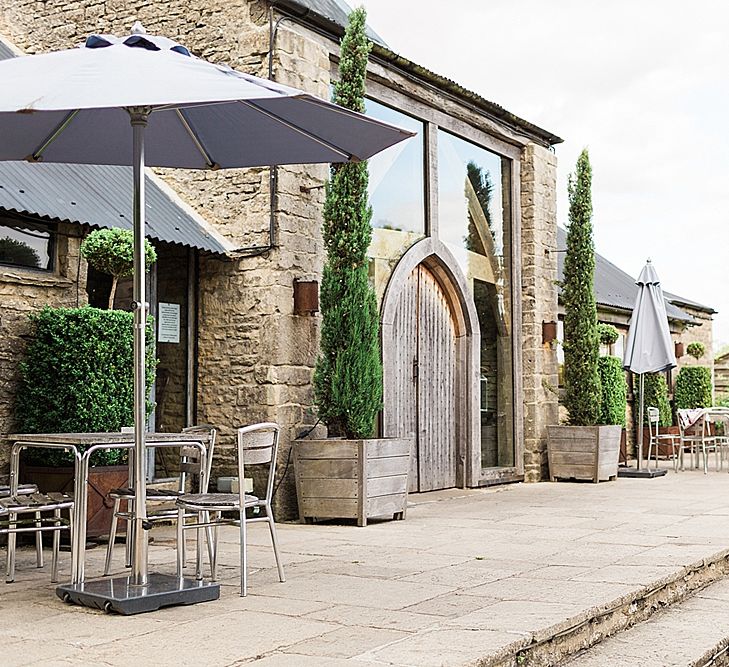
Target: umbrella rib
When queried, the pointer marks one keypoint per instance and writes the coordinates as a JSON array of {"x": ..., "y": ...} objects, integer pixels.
[
  {"x": 349, "y": 156},
  {"x": 196, "y": 140},
  {"x": 37, "y": 154}
]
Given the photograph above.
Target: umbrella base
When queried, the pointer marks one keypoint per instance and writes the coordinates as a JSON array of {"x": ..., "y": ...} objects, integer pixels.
[
  {"x": 120, "y": 595},
  {"x": 643, "y": 473}
]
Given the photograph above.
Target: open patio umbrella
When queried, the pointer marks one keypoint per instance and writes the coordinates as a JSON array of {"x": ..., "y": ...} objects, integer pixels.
[
  {"x": 649, "y": 348},
  {"x": 144, "y": 100}
]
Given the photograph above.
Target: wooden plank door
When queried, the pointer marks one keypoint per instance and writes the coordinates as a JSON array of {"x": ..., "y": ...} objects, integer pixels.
[
  {"x": 436, "y": 386},
  {"x": 423, "y": 404}
]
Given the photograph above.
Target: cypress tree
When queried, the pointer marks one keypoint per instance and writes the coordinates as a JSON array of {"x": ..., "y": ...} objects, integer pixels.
[
  {"x": 581, "y": 350},
  {"x": 348, "y": 376}
]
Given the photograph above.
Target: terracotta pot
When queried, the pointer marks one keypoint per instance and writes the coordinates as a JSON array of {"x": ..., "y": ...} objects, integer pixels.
[{"x": 102, "y": 479}]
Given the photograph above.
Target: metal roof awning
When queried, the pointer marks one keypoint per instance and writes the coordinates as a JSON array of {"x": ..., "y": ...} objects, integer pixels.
[{"x": 99, "y": 196}]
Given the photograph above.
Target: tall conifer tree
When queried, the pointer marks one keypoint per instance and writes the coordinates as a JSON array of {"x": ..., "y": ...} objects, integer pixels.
[
  {"x": 581, "y": 348},
  {"x": 348, "y": 377}
]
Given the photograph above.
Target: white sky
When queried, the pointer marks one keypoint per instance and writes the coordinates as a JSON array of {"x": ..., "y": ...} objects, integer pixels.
[{"x": 643, "y": 84}]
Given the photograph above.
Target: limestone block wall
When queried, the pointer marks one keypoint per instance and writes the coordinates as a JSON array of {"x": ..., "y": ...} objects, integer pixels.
[
  {"x": 539, "y": 303},
  {"x": 23, "y": 292},
  {"x": 255, "y": 357}
]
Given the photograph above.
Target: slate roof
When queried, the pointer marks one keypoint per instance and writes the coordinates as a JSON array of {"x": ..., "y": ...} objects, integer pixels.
[
  {"x": 615, "y": 288},
  {"x": 101, "y": 196}
]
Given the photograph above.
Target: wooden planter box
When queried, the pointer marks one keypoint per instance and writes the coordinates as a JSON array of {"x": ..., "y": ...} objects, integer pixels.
[
  {"x": 102, "y": 479},
  {"x": 583, "y": 452},
  {"x": 352, "y": 479}
]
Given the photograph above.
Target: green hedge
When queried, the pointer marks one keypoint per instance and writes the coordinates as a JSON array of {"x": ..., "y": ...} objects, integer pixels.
[
  {"x": 656, "y": 396},
  {"x": 693, "y": 388},
  {"x": 77, "y": 377},
  {"x": 614, "y": 391}
]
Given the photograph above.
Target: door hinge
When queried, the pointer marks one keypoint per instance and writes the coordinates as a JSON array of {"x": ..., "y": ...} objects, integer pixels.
[{"x": 416, "y": 370}]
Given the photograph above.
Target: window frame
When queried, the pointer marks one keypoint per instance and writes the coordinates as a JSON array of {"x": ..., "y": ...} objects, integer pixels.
[{"x": 11, "y": 220}]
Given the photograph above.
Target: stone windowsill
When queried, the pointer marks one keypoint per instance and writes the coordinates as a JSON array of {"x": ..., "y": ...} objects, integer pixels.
[{"x": 34, "y": 278}]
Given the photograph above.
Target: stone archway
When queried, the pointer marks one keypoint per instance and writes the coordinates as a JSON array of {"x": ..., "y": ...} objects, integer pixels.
[{"x": 430, "y": 343}]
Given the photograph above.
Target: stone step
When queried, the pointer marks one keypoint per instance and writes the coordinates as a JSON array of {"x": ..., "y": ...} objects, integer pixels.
[
  {"x": 691, "y": 633},
  {"x": 690, "y": 585}
]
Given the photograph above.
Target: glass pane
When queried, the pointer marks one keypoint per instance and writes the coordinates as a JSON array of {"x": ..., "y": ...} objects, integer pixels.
[
  {"x": 25, "y": 244},
  {"x": 474, "y": 213},
  {"x": 397, "y": 195}
]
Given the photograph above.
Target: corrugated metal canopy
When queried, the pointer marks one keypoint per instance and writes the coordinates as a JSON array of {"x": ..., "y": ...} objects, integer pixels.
[
  {"x": 613, "y": 287},
  {"x": 100, "y": 196}
]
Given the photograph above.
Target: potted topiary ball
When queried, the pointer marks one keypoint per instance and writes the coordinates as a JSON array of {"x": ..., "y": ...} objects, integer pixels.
[{"x": 350, "y": 475}]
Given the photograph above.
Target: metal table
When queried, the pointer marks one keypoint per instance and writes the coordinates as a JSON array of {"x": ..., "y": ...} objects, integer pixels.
[{"x": 111, "y": 594}]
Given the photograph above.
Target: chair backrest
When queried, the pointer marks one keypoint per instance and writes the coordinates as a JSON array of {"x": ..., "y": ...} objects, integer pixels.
[
  {"x": 258, "y": 444},
  {"x": 654, "y": 417},
  {"x": 190, "y": 456}
]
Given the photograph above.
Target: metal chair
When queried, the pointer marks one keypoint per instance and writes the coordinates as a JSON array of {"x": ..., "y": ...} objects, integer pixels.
[
  {"x": 19, "y": 500},
  {"x": 257, "y": 444},
  {"x": 190, "y": 465},
  {"x": 654, "y": 415}
]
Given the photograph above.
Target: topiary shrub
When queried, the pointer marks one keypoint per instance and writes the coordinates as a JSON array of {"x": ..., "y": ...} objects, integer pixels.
[
  {"x": 348, "y": 377},
  {"x": 614, "y": 391},
  {"x": 112, "y": 251},
  {"x": 581, "y": 352},
  {"x": 607, "y": 334},
  {"x": 655, "y": 396},
  {"x": 77, "y": 377},
  {"x": 693, "y": 387},
  {"x": 696, "y": 350}
]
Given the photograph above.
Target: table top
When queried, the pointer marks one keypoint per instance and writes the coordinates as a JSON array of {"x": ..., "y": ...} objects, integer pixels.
[{"x": 103, "y": 438}]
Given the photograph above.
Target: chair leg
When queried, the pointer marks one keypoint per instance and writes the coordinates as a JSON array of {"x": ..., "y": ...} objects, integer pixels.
[
  {"x": 56, "y": 545},
  {"x": 129, "y": 535},
  {"x": 180, "y": 541},
  {"x": 198, "y": 549},
  {"x": 38, "y": 541},
  {"x": 10, "y": 563},
  {"x": 274, "y": 542},
  {"x": 243, "y": 554},
  {"x": 112, "y": 536}
]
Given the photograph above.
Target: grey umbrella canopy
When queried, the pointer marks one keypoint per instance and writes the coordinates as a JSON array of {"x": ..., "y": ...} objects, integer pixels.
[
  {"x": 649, "y": 348},
  {"x": 144, "y": 100}
]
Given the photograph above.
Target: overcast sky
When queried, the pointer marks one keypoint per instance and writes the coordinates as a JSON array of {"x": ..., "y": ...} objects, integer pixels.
[{"x": 643, "y": 84}]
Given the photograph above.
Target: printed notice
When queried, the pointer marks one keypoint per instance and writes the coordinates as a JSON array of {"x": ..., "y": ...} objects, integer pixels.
[{"x": 169, "y": 323}]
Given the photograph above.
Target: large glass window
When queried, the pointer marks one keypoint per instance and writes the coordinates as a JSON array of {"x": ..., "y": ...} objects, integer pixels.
[
  {"x": 397, "y": 195},
  {"x": 474, "y": 218},
  {"x": 26, "y": 244}
]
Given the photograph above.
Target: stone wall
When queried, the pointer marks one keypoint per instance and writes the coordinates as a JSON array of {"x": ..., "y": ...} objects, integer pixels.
[
  {"x": 23, "y": 292},
  {"x": 539, "y": 303}
]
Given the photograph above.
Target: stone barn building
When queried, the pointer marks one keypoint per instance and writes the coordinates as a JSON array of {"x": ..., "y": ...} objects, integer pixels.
[{"x": 462, "y": 256}]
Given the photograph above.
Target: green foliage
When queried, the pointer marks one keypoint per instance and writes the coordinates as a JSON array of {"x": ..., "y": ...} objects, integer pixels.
[
  {"x": 693, "y": 387},
  {"x": 112, "y": 251},
  {"x": 696, "y": 350},
  {"x": 348, "y": 377},
  {"x": 581, "y": 351},
  {"x": 722, "y": 401},
  {"x": 655, "y": 396},
  {"x": 16, "y": 252},
  {"x": 77, "y": 376},
  {"x": 607, "y": 333},
  {"x": 614, "y": 391}
]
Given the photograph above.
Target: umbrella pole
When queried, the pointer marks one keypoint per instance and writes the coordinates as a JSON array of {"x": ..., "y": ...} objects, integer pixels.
[
  {"x": 139, "y": 554},
  {"x": 640, "y": 423}
]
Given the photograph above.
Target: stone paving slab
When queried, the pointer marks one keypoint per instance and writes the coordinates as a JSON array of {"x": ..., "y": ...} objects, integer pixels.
[{"x": 470, "y": 577}]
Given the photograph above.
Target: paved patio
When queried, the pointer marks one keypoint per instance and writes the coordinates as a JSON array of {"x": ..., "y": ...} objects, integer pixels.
[{"x": 470, "y": 575}]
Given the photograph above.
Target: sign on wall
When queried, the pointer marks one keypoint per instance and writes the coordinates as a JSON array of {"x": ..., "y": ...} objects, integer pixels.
[{"x": 168, "y": 330}]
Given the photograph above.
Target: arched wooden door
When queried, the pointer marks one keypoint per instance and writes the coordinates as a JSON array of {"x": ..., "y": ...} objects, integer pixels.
[{"x": 424, "y": 373}]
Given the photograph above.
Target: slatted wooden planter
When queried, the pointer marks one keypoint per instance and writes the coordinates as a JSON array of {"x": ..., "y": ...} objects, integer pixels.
[
  {"x": 352, "y": 479},
  {"x": 583, "y": 452}
]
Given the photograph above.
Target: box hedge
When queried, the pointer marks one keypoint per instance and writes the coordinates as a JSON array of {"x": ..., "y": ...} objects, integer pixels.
[
  {"x": 693, "y": 388},
  {"x": 656, "y": 396},
  {"x": 77, "y": 377},
  {"x": 614, "y": 391}
]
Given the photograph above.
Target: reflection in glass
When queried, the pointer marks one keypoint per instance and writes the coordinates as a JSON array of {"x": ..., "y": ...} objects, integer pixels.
[
  {"x": 397, "y": 196},
  {"x": 474, "y": 213},
  {"x": 25, "y": 244}
]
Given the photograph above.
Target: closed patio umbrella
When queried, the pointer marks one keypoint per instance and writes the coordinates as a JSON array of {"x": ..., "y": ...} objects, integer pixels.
[
  {"x": 145, "y": 100},
  {"x": 649, "y": 348}
]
